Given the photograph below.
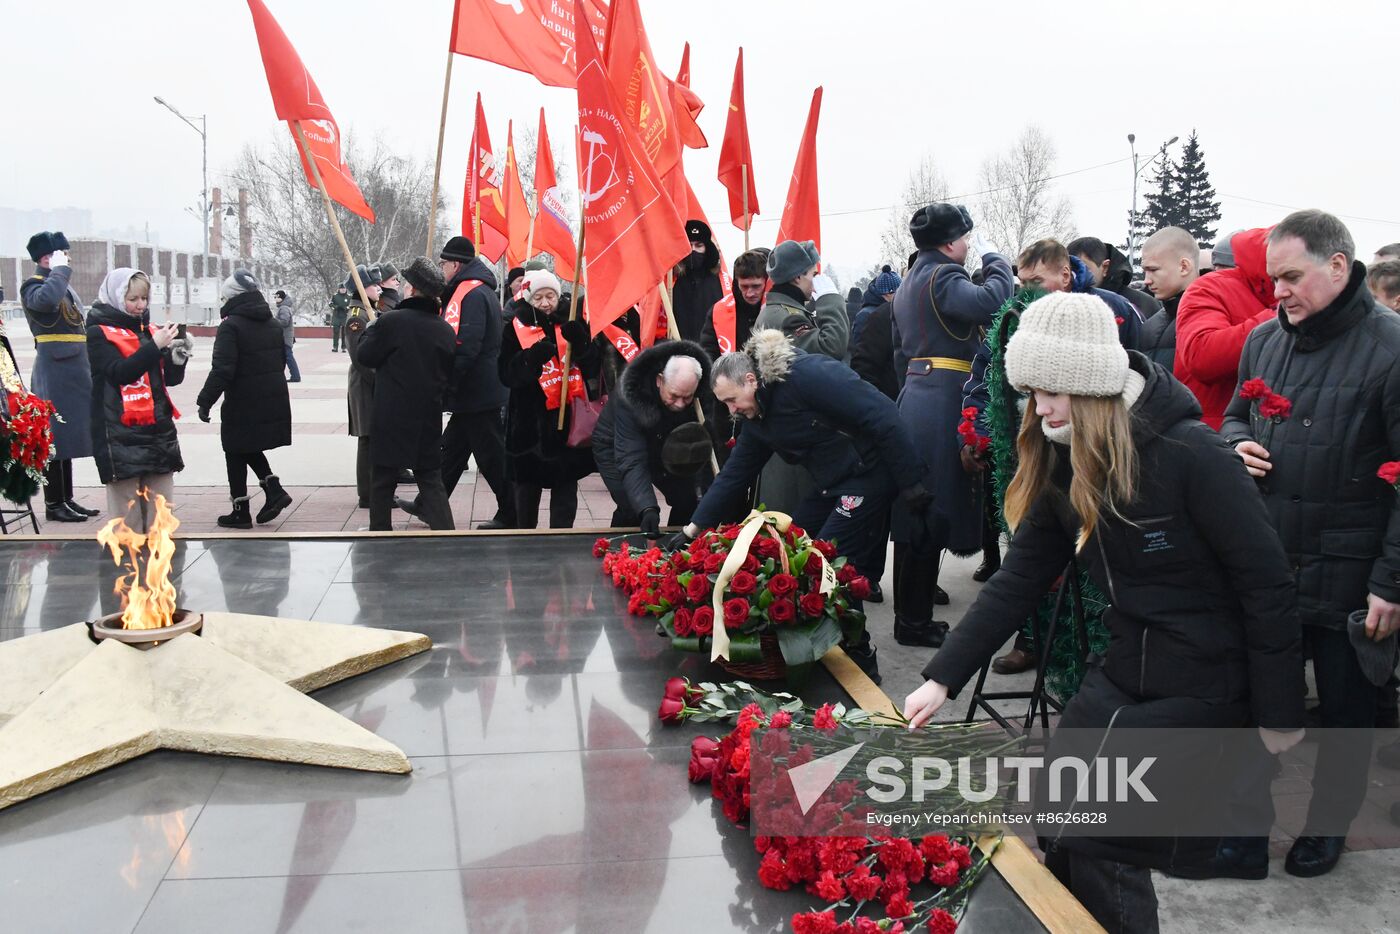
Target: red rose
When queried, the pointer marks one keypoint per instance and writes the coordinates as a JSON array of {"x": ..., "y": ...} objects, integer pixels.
[
  {"x": 698, "y": 588},
  {"x": 782, "y": 610},
  {"x": 704, "y": 752},
  {"x": 782, "y": 584},
  {"x": 765, "y": 547},
  {"x": 702, "y": 621},
  {"x": 670, "y": 709},
  {"x": 827, "y": 549},
  {"x": 860, "y": 588},
  {"x": 940, "y": 922},
  {"x": 813, "y": 604},
  {"x": 1390, "y": 472},
  {"x": 750, "y": 564},
  {"x": 671, "y": 592},
  {"x": 600, "y": 548},
  {"x": 676, "y": 687},
  {"x": 823, "y": 718},
  {"x": 846, "y": 574},
  {"x": 713, "y": 563},
  {"x": 735, "y": 611},
  {"x": 813, "y": 567},
  {"x": 743, "y": 583},
  {"x": 683, "y": 622},
  {"x": 729, "y": 532},
  {"x": 1254, "y": 389}
]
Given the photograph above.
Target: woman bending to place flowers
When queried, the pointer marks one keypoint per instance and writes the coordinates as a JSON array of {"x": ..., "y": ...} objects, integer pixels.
[{"x": 1117, "y": 471}]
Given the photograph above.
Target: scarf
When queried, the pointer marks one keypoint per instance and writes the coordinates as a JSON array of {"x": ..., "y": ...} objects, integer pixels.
[{"x": 138, "y": 402}]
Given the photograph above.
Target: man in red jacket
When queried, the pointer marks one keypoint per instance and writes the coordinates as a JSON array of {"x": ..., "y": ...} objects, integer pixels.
[{"x": 1216, "y": 314}]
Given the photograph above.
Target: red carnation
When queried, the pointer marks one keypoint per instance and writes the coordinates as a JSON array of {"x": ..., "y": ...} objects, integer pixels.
[
  {"x": 1390, "y": 472},
  {"x": 730, "y": 443},
  {"x": 862, "y": 884},
  {"x": 1275, "y": 405},
  {"x": 813, "y": 604},
  {"x": 782, "y": 610},
  {"x": 940, "y": 922},
  {"x": 860, "y": 588},
  {"x": 702, "y": 621},
  {"x": 944, "y": 874},
  {"x": 683, "y": 622},
  {"x": 961, "y": 855},
  {"x": 698, "y": 588},
  {"x": 1118, "y": 320},
  {"x": 704, "y": 752},
  {"x": 671, "y": 709},
  {"x": 936, "y": 848},
  {"x": 829, "y": 887},
  {"x": 782, "y": 584},
  {"x": 823, "y": 719},
  {"x": 969, "y": 414},
  {"x": 780, "y": 720},
  {"x": 899, "y": 907},
  {"x": 772, "y": 873},
  {"x": 735, "y": 611},
  {"x": 810, "y": 922},
  {"x": 743, "y": 583},
  {"x": 1254, "y": 389},
  {"x": 600, "y": 548}
]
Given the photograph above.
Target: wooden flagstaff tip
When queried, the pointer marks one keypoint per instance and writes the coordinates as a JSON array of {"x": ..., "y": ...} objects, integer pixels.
[{"x": 574, "y": 303}]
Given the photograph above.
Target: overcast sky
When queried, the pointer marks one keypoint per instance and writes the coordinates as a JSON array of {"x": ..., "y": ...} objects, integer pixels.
[{"x": 1293, "y": 100}]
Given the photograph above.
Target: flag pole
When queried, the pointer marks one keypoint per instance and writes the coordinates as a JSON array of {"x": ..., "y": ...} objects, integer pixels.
[
  {"x": 744, "y": 171},
  {"x": 574, "y": 303},
  {"x": 674, "y": 330},
  {"x": 476, "y": 224},
  {"x": 437, "y": 166},
  {"x": 530, "y": 237},
  {"x": 330, "y": 212}
]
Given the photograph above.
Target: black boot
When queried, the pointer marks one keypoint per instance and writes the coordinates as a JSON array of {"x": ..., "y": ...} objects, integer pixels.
[
  {"x": 991, "y": 563},
  {"x": 929, "y": 634},
  {"x": 1234, "y": 858},
  {"x": 240, "y": 517},
  {"x": 1313, "y": 856},
  {"x": 275, "y": 499},
  {"x": 863, "y": 654}
]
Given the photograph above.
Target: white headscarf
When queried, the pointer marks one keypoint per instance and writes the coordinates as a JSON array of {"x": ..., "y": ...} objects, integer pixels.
[{"x": 113, "y": 290}]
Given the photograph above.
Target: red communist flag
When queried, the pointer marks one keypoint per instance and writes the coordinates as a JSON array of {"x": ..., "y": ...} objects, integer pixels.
[
  {"x": 517, "y": 211},
  {"x": 297, "y": 100},
  {"x": 734, "y": 154},
  {"x": 644, "y": 93},
  {"x": 483, "y": 209},
  {"x": 802, "y": 210},
  {"x": 687, "y": 106},
  {"x": 631, "y": 232},
  {"x": 552, "y": 233},
  {"x": 533, "y": 36}
]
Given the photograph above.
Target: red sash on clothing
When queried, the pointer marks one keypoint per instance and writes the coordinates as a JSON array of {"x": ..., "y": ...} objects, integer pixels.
[
  {"x": 726, "y": 323},
  {"x": 622, "y": 341},
  {"x": 452, "y": 314},
  {"x": 551, "y": 376},
  {"x": 138, "y": 404}
]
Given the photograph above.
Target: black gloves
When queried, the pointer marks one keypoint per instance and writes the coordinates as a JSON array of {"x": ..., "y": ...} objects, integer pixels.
[
  {"x": 916, "y": 497},
  {"x": 676, "y": 541},
  {"x": 204, "y": 413},
  {"x": 542, "y": 353},
  {"x": 577, "y": 333},
  {"x": 651, "y": 522}
]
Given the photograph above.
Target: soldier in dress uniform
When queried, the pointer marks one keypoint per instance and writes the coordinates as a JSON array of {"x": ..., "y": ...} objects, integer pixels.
[{"x": 61, "y": 373}]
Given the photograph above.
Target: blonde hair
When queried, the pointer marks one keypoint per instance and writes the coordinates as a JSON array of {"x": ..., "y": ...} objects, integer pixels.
[
  {"x": 138, "y": 287},
  {"x": 1101, "y": 455}
]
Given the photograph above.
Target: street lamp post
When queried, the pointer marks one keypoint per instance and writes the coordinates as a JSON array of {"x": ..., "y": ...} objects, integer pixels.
[
  {"x": 202, "y": 130},
  {"x": 1133, "y": 212}
]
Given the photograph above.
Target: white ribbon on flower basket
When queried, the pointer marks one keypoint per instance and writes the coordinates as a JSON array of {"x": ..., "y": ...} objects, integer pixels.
[{"x": 755, "y": 523}]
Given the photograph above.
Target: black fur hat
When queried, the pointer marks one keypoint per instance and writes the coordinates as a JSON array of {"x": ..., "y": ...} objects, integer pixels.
[
  {"x": 937, "y": 224},
  {"x": 698, "y": 231},
  {"x": 45, "y": 242}
]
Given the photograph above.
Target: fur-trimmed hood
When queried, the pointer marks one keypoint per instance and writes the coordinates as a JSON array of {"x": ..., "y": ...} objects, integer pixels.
[
  {"x": 638, "y": 385},
  {"x": 772, "y": 354}
]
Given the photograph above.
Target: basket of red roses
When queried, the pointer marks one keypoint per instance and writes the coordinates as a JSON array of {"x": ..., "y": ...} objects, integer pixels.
[
  {"x": 784, "y": 599},
  {"x": 26, "y": 442}
]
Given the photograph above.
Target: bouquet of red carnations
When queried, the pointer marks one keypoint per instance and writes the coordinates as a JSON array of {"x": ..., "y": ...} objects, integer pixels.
[
  {"x": 783, "y": 603},
  {"x": 26, "y": 444}
]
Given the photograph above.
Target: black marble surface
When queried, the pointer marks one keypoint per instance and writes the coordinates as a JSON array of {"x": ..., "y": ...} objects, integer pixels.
[{"x": 546, "y": 796}]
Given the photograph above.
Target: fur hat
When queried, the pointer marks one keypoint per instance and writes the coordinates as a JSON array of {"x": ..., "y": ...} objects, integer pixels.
[
  {"x": 241, "y": 281},
  {"x": 459, "y": 250},
  {"x": 537, "y": 279},
  {"x": 387, "y": 271},
  {"x": 886, "y": 282},
  {"x": 698, "y": 231},
  {"x": 937, "y": 224},
  {"x": 45, "y": 242},
  {"x": 1067, "y": 342},
  {"x": 686, "y": 449},
  {"x": 424, "y": 276},
  {"x": 791, "y": 259}
]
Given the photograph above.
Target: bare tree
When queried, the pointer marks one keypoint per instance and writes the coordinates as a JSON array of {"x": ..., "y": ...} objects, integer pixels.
[
  {"x": 926, "y": 185},
  {"x": 1021, "y": 205},
  {"x": 290, "y": 226}
]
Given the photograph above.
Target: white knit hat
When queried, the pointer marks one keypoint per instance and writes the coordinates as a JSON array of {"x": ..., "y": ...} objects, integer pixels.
[
  {"x": 1067, "y": 342},
  {"x": 537, "y": 279}
]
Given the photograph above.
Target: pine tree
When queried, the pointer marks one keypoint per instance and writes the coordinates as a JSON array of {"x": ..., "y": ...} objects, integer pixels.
[
  {"x": 1163, "y": 206},
  {"x": 1199, "y": 208}
]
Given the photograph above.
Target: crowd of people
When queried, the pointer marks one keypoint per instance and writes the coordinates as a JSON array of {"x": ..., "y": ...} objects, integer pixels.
[{"x": 1244, "y": 529}]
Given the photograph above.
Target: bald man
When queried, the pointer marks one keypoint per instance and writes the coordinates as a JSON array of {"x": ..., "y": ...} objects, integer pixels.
[{"x": 1170, "y": 261}]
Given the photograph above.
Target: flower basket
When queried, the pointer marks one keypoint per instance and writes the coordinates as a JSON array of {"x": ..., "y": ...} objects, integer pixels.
[
  {"x": 762, "y": 598},
  {"x": 26, "y": 444}
]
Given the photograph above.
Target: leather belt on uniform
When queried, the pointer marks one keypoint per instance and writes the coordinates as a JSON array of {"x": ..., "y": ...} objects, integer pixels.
[
  {"x": 48, "y": 338},
  {"x": 922, "y": 366}
]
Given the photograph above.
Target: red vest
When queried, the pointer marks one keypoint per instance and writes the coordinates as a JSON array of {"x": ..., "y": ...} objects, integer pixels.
[{"x": 452, "y": 313}]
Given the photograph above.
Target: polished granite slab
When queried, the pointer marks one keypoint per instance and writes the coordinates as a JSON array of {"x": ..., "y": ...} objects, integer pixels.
[{"x": 545, "y": 796}]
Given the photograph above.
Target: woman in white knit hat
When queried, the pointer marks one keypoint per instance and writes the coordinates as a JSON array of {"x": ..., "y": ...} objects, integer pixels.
[{"x": 1117, "y": 472}]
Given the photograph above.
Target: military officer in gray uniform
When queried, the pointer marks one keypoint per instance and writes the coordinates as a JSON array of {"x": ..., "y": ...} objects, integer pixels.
[{"x": 61, "y": 372}]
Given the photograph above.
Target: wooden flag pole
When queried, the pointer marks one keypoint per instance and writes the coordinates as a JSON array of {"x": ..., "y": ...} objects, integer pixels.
[
  {"x": 476, "y": 224},
  {"x": 674, "y": 330},
  {"x": 574, "y": 303},
  {"x": 330, "y": 212},
  {"x": 437, "y": 166},
  {"x": 530, "y": 237},
  {"x": 748, "y": 221}
]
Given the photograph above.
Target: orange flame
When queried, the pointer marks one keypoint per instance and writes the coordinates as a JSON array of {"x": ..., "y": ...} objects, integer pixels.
[{"x": 150, "y": 605}]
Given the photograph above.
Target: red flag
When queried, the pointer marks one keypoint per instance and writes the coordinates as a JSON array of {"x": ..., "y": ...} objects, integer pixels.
[
  {"x": 802, "y": 211},
  {"x": 296, "y": 99},
  {"x": 533, "y": 36},
  {"x": 632, "y": 234},
  {"x": 644, "y": 93},
  {"x": 552, "y": 233},
  {"x": 481, "y": 198},
  {"x": 687, "y": 106},
  {"x": 517, "y": 211},
  {"x": 734, "y": 154}
]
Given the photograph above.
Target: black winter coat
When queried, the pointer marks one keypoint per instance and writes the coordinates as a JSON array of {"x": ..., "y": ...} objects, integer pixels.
[
  {"x": 476, "y": 383},
  {"x": 1157, "y": 339},
  {"x": 633, "y": 426},
  {"x": 126, "y": 451},
  {"x": 873, "y": 356},
  {"x": 410, "y": 350},
  {"x": 816, "y": 412},
  {"x": 536, "y": 450},
  {"x": 1339, "y": 522},
  {"x": 1202, "y": 605},
  {"x": 246, "y": 369},
  {"x": 696, "y": 291},
  {"x": 1117, "y": 280}
]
